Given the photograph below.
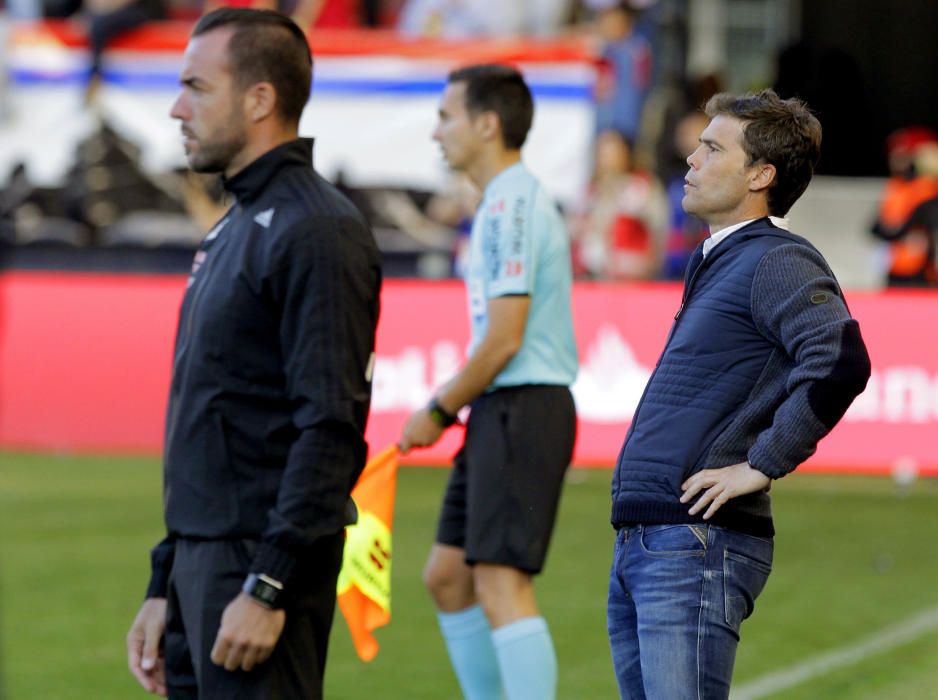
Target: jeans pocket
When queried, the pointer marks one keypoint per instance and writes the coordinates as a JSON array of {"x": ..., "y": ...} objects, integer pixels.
[
  {"x": 744, "y": 578},
  {"x": 671, "y": 541}
]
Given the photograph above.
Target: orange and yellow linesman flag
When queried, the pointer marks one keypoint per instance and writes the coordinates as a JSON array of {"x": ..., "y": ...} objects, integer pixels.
[{"x": 364, "y": 588}]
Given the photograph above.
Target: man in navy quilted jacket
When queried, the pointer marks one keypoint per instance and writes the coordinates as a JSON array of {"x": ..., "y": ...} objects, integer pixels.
[{"x": 762, "y": 361}]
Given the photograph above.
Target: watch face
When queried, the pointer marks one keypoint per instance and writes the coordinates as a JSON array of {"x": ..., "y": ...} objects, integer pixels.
[{"x": 265, "y": 592}]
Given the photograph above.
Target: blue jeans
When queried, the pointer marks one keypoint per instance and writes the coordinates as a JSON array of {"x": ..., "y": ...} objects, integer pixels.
[{"x": 677, "y": 597}]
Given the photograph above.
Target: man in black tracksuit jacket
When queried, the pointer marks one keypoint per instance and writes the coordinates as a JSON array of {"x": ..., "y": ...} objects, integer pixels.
[{"x": 269, "y": 398}]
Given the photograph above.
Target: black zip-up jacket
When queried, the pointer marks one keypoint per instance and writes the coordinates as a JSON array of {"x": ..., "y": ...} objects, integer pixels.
[{"x": 272, "y": 368}]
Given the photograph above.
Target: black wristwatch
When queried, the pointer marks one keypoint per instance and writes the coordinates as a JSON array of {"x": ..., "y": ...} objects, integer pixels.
[
  {"x": 439, "y": 415},
  {"x": 264, "y": 590}
]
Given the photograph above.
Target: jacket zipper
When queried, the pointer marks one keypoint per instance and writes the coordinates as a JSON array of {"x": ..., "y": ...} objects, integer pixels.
[
  {"x": 173, "y": 412},
  {"x": 196, "y": 296},
  {"x": 203, "y": 281},
  {"x": 685, "y": 297}
]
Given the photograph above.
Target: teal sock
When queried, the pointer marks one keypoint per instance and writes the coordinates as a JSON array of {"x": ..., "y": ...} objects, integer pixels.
[
  {"x": 469, "y": 642},
  {"x": 527, "y": 660}
]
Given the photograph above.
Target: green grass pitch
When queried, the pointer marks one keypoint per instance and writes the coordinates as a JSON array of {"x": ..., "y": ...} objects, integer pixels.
[{"x": 854, "y": 555}]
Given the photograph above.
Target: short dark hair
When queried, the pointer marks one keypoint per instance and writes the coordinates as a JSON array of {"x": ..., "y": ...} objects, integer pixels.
[
  {"x": 781, "y": 132},
  {"x": 266, "y": 46},
  {"x": 500, "y": 89}
]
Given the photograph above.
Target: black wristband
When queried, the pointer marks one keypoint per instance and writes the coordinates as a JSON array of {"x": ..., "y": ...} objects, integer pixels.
[{"x": 439, "y": 415}]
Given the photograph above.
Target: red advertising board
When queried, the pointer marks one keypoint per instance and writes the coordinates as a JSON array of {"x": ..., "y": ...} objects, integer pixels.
[{"x": 85, "y": 362}]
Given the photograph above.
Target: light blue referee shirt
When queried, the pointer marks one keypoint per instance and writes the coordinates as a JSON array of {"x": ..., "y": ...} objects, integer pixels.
[{"x": 519, "y": 245}]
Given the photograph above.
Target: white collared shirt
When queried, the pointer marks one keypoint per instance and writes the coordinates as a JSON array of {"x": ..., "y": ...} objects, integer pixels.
[{"x": 724, "y": 233}]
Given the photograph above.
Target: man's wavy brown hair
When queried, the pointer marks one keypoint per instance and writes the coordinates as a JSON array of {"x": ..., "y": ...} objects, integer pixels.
[{"x": 780, "y": 132}]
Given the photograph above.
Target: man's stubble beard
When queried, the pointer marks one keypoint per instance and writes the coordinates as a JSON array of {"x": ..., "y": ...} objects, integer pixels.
[{"x": 216, "y": 155}]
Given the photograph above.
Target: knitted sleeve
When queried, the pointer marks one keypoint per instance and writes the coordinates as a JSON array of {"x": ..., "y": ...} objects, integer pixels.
[{"x": 798, "y": 305}]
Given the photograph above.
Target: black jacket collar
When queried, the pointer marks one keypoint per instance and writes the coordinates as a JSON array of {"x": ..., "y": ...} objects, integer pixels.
[{"x": 252, "y": 180}]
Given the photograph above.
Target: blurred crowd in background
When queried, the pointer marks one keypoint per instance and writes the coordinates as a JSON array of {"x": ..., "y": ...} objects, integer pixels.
[
  {"x": 627, "y": 223},
  {"x": 908, "y": 213}
]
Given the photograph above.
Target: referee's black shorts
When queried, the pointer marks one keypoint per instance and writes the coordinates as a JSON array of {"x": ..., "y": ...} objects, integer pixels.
[{"x": 501, "y": 501}]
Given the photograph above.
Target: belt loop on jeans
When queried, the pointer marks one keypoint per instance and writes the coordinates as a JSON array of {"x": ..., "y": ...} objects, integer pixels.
[{"x": 625, "y": 532}]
